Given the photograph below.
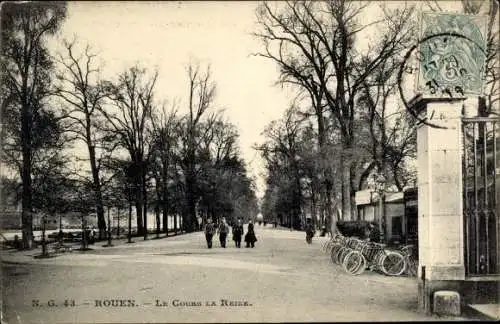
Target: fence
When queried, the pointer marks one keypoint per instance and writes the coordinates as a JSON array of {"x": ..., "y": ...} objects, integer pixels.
[{"x": 481, "y": 175}]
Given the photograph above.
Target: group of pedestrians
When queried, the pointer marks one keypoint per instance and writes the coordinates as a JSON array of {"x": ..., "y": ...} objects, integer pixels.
[{"x": 223, "y": 231}]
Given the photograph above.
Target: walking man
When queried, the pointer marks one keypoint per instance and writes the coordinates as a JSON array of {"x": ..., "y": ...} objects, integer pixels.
[
  {"x": 209, "y": 232},
  {"x": 223, "y": 230},
  {"x": 309, "y": 229},
  {"x": 238, "y": 233}
]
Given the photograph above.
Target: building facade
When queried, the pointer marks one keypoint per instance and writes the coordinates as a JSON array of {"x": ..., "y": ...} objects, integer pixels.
[{"x": 398, "y": 211}]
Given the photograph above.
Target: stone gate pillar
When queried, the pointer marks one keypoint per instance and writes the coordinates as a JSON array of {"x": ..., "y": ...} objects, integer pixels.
[{"x": 440, "y": 216}]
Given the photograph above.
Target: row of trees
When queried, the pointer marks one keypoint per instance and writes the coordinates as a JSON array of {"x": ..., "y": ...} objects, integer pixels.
[
  {"x": 346, "y": 130},
  {"x": 138, "y": 152}
]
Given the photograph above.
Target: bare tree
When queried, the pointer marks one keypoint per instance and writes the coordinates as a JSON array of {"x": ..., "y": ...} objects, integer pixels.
[
  {"x": 133, "y": 100},
  {"x": 166, "y": 125},
  {"x": 391, "y": 129},
  {"x": 82, "y": 91},
  {"x": 317, "y": 40},
  {"x": 218, "y": 163},
  {"x": 201, "y": 95},
  {"x": 282, "y": 150}
]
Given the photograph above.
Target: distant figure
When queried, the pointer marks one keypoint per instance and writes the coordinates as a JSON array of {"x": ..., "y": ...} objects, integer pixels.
[
  {"x": 223, "y": 230},
  {"x": 93, "y": 235},
  {"x": 309, "y": 229},
  {"x": 372, "y": 233},
  {"x": 88, "y": 235},
  {"x": 17, "y": 242},
  {"x": 209, "y": 232},
  {"x": 60, "y": 235},
  {"x": 199, "y": 222},
  {"x": 375, "y": 234},
  {"x": 275, "y": 224},
  {"x": 237, "y": 233},
  {"x": 250, "y": 237}
]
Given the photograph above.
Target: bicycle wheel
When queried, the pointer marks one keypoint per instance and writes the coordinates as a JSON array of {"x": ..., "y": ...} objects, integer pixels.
[
  {"x": 335, "y": 252},
  {"x": 343, "y": 254},
  {"x": 377, "y": 261},
  {"x": 329, "y": 245},
  {"x": 345, "y": 258},
  {"x": 393, "y": 264},
  {"x": 324, "y": 245},
  {"x": 411, "y": 266},
  {"x": 354, "y": 263}
]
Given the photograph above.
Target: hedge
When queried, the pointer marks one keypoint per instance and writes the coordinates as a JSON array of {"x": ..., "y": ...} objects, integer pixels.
[{"x": 358, "y": 228}]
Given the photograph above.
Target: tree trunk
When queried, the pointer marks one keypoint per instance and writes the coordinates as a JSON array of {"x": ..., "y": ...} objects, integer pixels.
[
  {"x": 165, "y": 218},
  {"x": 190, "y": 216},
  {"x": 335, "y": 217},
  {"x": 138, "y": 214},
  {"x": 101, "y": 223},
  {"x": 44, "y": 243},
  {"x": 175, "y": 223},
  {"x": 398, "y": 183},
  {"x": 118, "y": 221},
  {"x": 165, "y": 198},
  {"x": 145, "y": 205},
  {"x": 84, "y": 236},
  {"x": 353, "y": 188},
  {"x": 328, "y": 199},
  {"x": 130, "y": 221},
  {"x": 26, "y": 200},
  {"x": 345, "y": 164},
  {"x": 138, "y": 202},
  {"x": 313, "y": 209},
  {"x": 325, "y": 166},
  {"x": 321, "y": 208},
  {"x": 297, "y": 204},
  {"x": 346, "y": 191},
  {"x": 157, "y": 212}
]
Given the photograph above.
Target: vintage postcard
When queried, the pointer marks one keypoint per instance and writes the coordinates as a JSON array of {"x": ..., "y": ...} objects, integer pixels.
[{"x": 249, "y": 161}]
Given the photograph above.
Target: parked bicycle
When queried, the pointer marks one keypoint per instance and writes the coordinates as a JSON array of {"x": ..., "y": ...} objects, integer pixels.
[
  {"x": 411, "y": 259},
  {"x": 356, "y": 255},
  {"x": 374, "y": 256},
  {"x": 329, "y": 244}
]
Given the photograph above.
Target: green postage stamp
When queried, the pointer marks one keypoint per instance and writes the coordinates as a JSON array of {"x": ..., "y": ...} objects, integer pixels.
[{"x": 452, "y": 54}]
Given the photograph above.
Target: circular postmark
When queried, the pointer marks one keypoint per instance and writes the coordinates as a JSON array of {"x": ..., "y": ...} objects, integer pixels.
[{"x": 449, "y": 59}]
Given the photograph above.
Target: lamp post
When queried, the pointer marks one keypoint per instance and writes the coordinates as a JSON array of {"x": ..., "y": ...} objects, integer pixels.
[
  {"x": 380, "y": 184},
  {"x": 60, "y": 229},
  {"x": 84, "y": 237},
  {"x": 44, "y": 243},
  {"x": 118, "y": 225},
  {"x": 109, "y": 229},
  {"x": 129, "y": 190}
]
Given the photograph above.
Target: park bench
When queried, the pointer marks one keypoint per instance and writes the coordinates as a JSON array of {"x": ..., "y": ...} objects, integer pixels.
[{"x": 62, "y": 248}]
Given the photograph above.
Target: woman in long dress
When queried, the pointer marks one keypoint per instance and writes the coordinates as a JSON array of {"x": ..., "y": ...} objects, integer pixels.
[{"x": 250, "y": 237}]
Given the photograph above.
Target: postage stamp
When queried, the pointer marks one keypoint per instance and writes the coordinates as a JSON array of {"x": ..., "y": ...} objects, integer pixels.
[{"x": 452, "y": 54}]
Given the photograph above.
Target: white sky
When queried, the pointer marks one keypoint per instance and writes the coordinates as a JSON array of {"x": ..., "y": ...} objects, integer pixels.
[{"x": 169, "y": 35}]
